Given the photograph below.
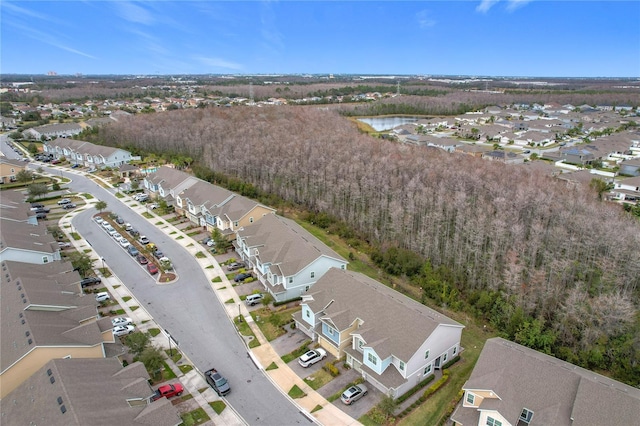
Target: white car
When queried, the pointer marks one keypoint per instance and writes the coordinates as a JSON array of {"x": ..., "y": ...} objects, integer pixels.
[
  {"x": 123, "y": 330},
  {"x": 311, "y": 357},
  {"x": 106, "y": 224},
  {"x": 99, "y": 220},
  {"x": 153, "y": 206},
  {"x": 120, "y": 321},
  {"x": 124, "y": 243},
  {"x": 102, "y": 296},
  {"x": 117, "y": 236}
]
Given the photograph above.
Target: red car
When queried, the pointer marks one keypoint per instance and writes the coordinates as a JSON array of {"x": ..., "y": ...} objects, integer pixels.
[
  {"x": 153, "y": 269},
  {"x": 143, "y": 260},
  {"x": 167, "y": 391}
]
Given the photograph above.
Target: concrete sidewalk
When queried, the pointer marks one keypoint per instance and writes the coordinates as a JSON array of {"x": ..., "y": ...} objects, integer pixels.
[{"x": 264, "y": 355}]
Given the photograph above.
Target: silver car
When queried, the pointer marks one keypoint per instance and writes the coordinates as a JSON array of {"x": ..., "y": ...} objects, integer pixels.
[
  {"x": 353, "y": 394},
  {"x": 311, "y": 357}
]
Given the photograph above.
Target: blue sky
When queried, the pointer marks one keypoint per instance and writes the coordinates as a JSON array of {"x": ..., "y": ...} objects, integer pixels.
[{"x": 484, "y": 37}]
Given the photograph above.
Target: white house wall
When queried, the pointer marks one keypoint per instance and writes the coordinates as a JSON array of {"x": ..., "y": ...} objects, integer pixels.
[
  {"x": 28, "y": 256},
  {"x": 443, "y": 340}
]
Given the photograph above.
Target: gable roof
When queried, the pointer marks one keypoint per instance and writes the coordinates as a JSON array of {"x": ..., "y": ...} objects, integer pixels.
[
  {"x": 168, "y": 177},
  {"x": 84, "y": 148},
  {"x": 205, "y": 194},
  {"x": 559, "y": 393},
  {"x": 75, "y": 386},
  {"x": 404, "y": 327},
  {"x": 38, "y": 311},
  {"x": 284, "y": 244},
  {"x": 26, "y": 236}
]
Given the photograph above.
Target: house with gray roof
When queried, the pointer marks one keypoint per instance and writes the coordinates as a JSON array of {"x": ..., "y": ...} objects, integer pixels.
[
  {"x": 167, "y": 182},
  {"x": 81, "y": 392},
  {"x": 286, "y": 258},
  {"x": 87, "y": 153},
  {"x": 56, "y": 130},
  {"x": 214, "y": 207},
  {"x": 25, "y": 242},
  {"x": 392, "y": 340},
  {"x": 627, "y": 189},
  {"x": 45, "y": 315},
  {"x": 630, "y": 167},
  {"x": 512, "y": 385},
  {"x": 9, "y": 168},
  {"x": 14, "y": 209}
]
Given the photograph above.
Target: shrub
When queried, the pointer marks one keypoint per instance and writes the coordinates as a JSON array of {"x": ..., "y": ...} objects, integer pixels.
[
  {"x": 330, "y": 368},
  {"x": 451, "y": 362},
  {"x": 415, "y": 389},
  {"x": 437, "y": 385}
]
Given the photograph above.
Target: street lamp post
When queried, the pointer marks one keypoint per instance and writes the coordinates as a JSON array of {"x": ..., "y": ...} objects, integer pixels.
[
  {"x": 102, "y": 258},
  {"x": 170, "y": 337},
  {"x": 239, "y": 314}
]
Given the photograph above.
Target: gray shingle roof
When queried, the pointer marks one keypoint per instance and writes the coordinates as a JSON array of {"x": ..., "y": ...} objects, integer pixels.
[
  {"x": 23, "y": 235},
  {"x": 25, "y": 325},
  {"x": 285, "y": 244},
  {"x": 559, "y": 393},
  {"x": 92, "y": 391},
  {"x": 392, "y": 323}
]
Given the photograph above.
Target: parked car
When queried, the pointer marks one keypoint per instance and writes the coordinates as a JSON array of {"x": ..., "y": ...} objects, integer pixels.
[
  {"x": 158, "y": 253},
  {"x": 217, "y": 382},
  {"x": 152, "y": 268},
  {"x": 69, "y": 206},
  {"x": 311, "y": 357},
  {"x": 206, "y": 240},
  {"x": 64, "y": 201},
  {"x": 167, "y": 391},
  {"x": 153, "y": 206},
  {"x": 36, "y": 206},
  {"x": 98, "y": 220},
  {"x": 142, "y": 260},
  {"x": 133, "y": 232},
  {"x": 42, "y": 210},
  {"x": 64, "y": 244},
  {"x": 41, "y": 215},
  {"x": 90, "y": 281},
  {"x": 121, "y": 321},
  {"x": 235, "y": 265},
  {"x": 102, "y": 297},
  {"x": 253, "y": 299},
  {"x": 353, "y": 394},
  {"x": 124, "y": 242},
  {"x": 128, "y": 227},
  {"x": 119, "y": 220},
  {"x": 211, "y": 243},
  {"x": 144, "y": 240},
  {"x": 106, "y": 224},
  {"x": 241, "y": 277},
  {"x": 123, "y": 330},
  {"x": 132, "y": 250},
  {"x": 75, "y": 166}
]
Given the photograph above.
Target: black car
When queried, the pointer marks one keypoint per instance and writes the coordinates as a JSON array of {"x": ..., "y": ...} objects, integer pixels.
[
  {"x": 241, "y": 277},
  {"x": 42, "y": 210},
  {"x": 37, "y": 206},
  {"x": 90, "y": 281},
  {"x": 119, "y": 220},
  {"x": 41, "y": 215}
]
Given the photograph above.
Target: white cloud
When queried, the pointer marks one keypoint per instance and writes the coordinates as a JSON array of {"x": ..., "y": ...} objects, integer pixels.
[
  {"x": 47, "y": 38},
  {"x": 134, "y": 13},
  {"x": 219, "y": 63},
  {"x": 512, "y": 5},
  {"x": 485, "y": 5},
  {"x": 516, "y": 4},
  {"x": 424, "y": 19}
]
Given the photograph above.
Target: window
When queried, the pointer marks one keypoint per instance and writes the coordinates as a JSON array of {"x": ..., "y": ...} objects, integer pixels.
[
  {"x": 45, "y": 259},
  {"x": 342, "y": 266},
  {"x": 251, "y": 220},
  {"x": 455, "y": 349},
  {"x": 290, "y": 280},
  {"x": 235, "y": 224},
  {"x": 470, "y": 398},
  {"x": 427, "y": 370},
  {"x": 313, "y": 274},
  {"x": 526, "y": 415},
  {"x": 493, "y": 422},
  {"x": 308, "y": 314},
  {"x": 360, "y": 344},
  {"x": 372, "y": 359},
  {"x": 444, "y": 357},
  {"x": 426, "y": 354},
  {"x": 401, "y": 366}
]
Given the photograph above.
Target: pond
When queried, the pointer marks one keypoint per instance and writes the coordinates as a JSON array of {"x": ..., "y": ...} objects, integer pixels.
[{"x": 380, "y": 124}]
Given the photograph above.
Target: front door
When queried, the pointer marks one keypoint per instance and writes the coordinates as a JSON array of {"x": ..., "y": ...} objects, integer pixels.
[{"x": 436, "y": 364}]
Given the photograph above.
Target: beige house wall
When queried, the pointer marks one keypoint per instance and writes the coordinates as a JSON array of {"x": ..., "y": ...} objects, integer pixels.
[
  {"x": 39, "y": 356},
  {"x": 6, "y": 173}
]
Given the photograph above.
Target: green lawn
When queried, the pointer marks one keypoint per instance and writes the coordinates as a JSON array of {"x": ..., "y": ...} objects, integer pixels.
[
  {"x": 153, "y": 332},
  {"x": 218, "y": 406},
  {"x": 195, "y": 417},
  {"x": 271, "y": 323},
  {"x": 318, "y": 379},
  {"x": 296, "y": 392}
]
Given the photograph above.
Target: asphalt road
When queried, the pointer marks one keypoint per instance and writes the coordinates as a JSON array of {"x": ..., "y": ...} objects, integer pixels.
[{"x": 188, "y": 309}]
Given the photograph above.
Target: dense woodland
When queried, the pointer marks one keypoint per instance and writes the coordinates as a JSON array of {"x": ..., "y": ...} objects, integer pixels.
[{"x": 547, "y": 264}]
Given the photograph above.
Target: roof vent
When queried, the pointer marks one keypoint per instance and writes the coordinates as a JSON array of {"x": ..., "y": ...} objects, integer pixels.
[
  {"x": 22, "y": 321},
  {"x": 24, "y": 300},
  {"x": 52, "y": 379},
  {"x": 30, "y": 341},
  {"x": 63, "y": 409},
  {"x": 49, "y": 372},
  {"x": 59, "y": 400},
  {"x": 27, "y": 333},
  {"x": 20, "y": 315}
]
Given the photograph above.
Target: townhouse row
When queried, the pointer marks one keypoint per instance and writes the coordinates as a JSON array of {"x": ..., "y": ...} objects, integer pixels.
[{"x": 59, "y": 359}]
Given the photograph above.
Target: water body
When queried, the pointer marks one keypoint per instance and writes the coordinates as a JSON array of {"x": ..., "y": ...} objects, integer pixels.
[{"x": 380, "y": 124}]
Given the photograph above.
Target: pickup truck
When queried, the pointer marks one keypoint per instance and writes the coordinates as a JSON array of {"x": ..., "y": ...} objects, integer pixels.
[
  {"x": 217, "y": 382},
  {"x": 167, "y": 391}
]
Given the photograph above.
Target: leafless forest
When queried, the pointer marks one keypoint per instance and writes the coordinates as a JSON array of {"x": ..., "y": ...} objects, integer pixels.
[{"x": 556, "y": 252}]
